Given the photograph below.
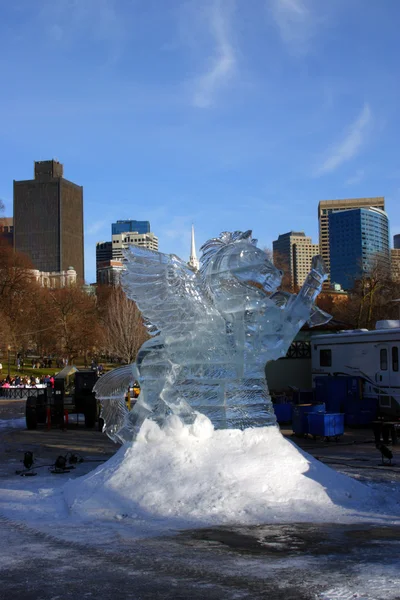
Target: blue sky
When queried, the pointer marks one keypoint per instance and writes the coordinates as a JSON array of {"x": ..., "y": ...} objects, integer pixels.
[{"x": 231, "y": 114}]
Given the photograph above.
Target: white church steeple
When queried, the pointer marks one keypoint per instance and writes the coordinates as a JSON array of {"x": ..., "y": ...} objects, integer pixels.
[{"x": 193, "y": 262}]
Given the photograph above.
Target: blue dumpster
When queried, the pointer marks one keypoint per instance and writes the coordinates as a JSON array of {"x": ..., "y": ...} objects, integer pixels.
[
  {"x": 325, "y": 424},
  {"x": 344, "y": 394},
  {"x": 283, "y": 412},
  {"x": 300, "y": 420},
  {"x": 304, "y": 397},
  {"x": 332, "y": 391}
]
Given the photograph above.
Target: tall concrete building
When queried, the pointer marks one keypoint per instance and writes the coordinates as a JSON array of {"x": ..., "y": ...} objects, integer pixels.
[
  {"x": 48, "y": 220},
  {"x": 103, "y": 252},
  {"x": 293, "y": 252},
  {"x": 327, "y": 207},
  {"x": 121, "y": 241},
  {"x": 110, "y": 255},
  {"x": 396, "y": 241}
]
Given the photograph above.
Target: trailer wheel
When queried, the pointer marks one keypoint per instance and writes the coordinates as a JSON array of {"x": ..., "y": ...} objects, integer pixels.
[
  {"x": 31, "y": 417},
  {"x": 90, "y": 419},
  {"x": 90, "y": 412}
]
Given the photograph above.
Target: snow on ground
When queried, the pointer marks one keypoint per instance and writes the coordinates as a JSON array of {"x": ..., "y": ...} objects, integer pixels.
[
  {"x": 181, "y": 477},
  {"x": 190, "y": 476},
  {"x": 185, "y": 477}
]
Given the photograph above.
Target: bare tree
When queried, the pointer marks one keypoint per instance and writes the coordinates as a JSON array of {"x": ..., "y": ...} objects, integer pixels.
[
  {"x": 370, "y": 299},
  {"x": 17, "y": 288},
  {"x": 124, "y": 329},
  {"x": 76, "y": 328},
  {"x": 370, "y": 289}
]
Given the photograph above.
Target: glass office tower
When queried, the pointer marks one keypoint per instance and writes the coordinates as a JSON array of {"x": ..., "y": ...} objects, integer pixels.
[
  {"x": 357, "y": 240},
  {"x": 130, "y": 225}
]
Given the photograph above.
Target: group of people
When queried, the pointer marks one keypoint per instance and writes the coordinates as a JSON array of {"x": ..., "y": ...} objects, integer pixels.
[
  {"x": 21, "y": 381},
  {"x": 46, "y": 362},
  {"x": 32, "y": 381}
]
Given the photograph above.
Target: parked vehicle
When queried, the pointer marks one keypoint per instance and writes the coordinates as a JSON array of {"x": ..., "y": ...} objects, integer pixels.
[{"x": 371, "y": 355}]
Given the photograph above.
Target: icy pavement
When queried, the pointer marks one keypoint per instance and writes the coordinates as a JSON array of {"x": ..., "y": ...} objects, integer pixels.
[
  {"x": 146, "y": 555},
  {"x": 289, "y": 562}
]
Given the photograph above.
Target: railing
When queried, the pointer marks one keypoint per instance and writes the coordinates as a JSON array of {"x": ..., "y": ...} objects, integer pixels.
[
  {"x": 21, "y": 393},
  {"x": 299, "y": 350}
]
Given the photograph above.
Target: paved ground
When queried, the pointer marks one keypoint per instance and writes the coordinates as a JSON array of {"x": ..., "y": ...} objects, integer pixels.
[{"x": 297, "y": 561}]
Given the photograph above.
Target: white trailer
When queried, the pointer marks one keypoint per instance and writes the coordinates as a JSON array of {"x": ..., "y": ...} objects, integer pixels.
[{"x": 372, "y": 355}]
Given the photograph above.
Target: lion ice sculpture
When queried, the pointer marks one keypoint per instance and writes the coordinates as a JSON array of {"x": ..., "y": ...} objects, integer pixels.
[{"x": 213, "y": 333}]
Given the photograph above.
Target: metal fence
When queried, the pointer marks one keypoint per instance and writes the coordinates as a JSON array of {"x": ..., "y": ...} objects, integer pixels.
[{"x": 21, "y": 393}]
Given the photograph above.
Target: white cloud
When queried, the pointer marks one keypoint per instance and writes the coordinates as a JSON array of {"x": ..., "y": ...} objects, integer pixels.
[
  {"x": 222, "y": 64},
  {"x": 296, "y": 21},
  {"x": 350, "y": 145},
  {"x": 356, "y": 178},
  {"x": 65, "y": 21},
  {"x": 95, "y": 227}
]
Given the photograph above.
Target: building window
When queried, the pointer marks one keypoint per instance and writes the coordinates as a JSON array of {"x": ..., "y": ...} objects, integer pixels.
[
  {"x": 384, "y": 359},
  {"x": 395, "y": 358},
  {"x": 325, "y": 358}
]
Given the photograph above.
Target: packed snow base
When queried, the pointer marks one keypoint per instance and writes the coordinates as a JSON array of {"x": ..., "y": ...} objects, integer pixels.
[{"x": 192, "y": 475}]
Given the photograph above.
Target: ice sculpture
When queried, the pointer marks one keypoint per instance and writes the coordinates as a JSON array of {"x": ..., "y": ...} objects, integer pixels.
[{"x": 213, "y": 332}]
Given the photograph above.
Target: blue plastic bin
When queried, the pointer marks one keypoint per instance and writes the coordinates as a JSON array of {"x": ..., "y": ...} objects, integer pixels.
[
  {"x": 283, "y": 412},
  {"x": 325, "y": 424},
  {"x": 300, "y": 420}
]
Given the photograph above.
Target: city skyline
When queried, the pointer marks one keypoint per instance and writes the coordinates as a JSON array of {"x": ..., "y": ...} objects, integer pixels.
[
  {"x": 225, "y": 114},
  {"x": 296, "y": 271}
]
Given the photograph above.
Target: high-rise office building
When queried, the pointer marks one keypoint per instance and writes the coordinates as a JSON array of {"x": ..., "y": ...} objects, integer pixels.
[
  {"x": 103, "y": 251},
  {"x": 110, "y": 255},
  {"x": 293, "y": 252},
  {"x": 48, "y": 219},
  {"x": 396, "y": 241},
  {"x": 358, "y": 241},
  {"x": 130, "y": 225},
  {"x": 121, "y": 241},
  {"x": 327, "y": 207}
]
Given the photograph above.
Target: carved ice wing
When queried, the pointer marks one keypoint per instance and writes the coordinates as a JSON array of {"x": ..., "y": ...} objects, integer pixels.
[
  {"x": 318, "y": 317},
  {"x": 166, "y": 291}
]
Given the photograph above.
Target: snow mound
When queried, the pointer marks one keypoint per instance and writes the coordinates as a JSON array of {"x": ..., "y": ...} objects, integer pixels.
[{"x": 195, "y": 475}]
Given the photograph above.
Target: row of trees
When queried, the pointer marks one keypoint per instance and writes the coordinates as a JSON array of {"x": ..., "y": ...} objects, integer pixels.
[
  {"x": 373, "y": 298},
  {"x": 64, "y": 322}
]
